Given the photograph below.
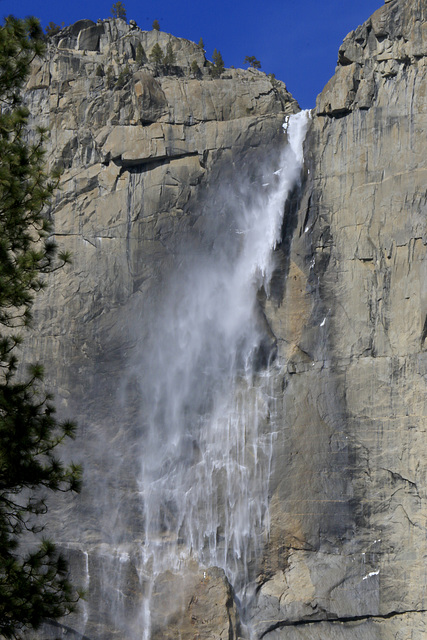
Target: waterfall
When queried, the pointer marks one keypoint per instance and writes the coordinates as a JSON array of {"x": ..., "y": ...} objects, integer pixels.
[{"x": 206, "y": 430}]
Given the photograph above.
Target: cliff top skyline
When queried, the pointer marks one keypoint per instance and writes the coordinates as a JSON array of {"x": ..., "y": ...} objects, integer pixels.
[{"x": 298, "y": 42}]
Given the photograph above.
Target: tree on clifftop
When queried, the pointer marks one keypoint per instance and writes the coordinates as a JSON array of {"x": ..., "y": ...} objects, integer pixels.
[
  {"x": 118, "y": 10},
  {"x": 218, "y": 64},
  {"x": 252, "y": 62},
  {"x": 34, "y": 584},
  {"x": 52, "y": 29}
]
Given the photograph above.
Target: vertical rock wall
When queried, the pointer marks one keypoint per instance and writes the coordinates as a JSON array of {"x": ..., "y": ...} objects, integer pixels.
[
  {"x": 144, "y": 149},
  {"x": 347, "y": 548}
]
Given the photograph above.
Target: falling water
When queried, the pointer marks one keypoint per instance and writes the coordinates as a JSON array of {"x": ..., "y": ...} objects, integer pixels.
[{"x": 207, "y": 417}]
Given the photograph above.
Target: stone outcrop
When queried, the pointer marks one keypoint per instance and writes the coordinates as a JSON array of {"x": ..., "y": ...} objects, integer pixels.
[
  {"x": 141, "y": 149},
  {"x": 391, "y": 42},
  {"x": 346, "y": 557}
]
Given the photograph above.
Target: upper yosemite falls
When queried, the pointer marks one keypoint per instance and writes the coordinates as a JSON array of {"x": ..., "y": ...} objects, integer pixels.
[{"x": 241, "y": 337}]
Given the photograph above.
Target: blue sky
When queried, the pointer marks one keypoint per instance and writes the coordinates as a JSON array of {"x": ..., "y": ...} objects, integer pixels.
[{"x": 297, "y": 40}]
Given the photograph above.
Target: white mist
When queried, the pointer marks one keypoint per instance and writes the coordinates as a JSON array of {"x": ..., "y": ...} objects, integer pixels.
[{"x": 208, "y": 415}]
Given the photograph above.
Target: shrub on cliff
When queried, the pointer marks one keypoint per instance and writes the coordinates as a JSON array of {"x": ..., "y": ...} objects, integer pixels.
[
  {"x": 156, "y": 25},
  {"x": 123, "y": 77},
  {"x": 109, "y": 77},
  {"x": 34, "y": 583},
  {"x": 195, "y": 69}
]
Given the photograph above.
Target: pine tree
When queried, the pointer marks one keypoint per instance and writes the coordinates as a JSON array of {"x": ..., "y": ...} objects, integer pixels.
[
  {"x": 123, "y": 77},
  {"x": 109, "y": 77},
  {"x": 157, "y": 55},
  {"x": 218, "y": 64},
  {"x": 140, "y": 56},
  {"x": 118, "y": 10},
  {"x": 252, "y": 62},
  {"x": 156, "y": 25},
  {"x": 34, "y": 584},
  {"x": 170, "y": 57},
  {"x": 52, "y": 29},
  {"x": 195, "y": 69},
  {"x": 201, "y": 44}
]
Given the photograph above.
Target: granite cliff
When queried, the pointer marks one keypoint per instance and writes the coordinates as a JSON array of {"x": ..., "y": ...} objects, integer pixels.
[
  {"x": 143, "y": 150},
  {"x": 347, "y": 542}
]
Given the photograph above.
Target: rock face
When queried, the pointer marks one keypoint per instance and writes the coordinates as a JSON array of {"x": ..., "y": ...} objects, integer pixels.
[
  {"x": 346, "y": 557},
  {"x": 141, "y": 150},
  {"x": 141, "y": 145},
  {"x": 138, "y": 147}
]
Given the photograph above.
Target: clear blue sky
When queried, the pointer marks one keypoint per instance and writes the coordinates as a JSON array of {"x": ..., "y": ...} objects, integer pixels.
[{"x": 297, "y": 40}]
